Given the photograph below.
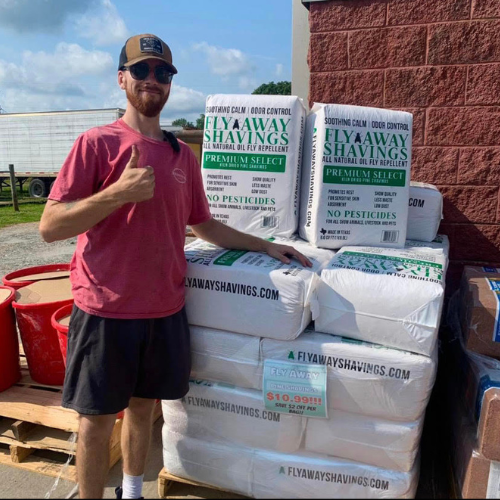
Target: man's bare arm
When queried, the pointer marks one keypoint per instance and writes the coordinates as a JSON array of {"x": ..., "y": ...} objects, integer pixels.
[
  {"x": 224, "y": 236},
  {"x": 64, "y": 220}
]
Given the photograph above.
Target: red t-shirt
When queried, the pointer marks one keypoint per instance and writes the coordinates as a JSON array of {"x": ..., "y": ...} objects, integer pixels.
[{"x": 132, "y": 264}]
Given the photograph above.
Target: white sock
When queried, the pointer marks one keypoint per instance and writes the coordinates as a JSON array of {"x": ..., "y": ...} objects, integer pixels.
[{"x": 132, "y": 486}]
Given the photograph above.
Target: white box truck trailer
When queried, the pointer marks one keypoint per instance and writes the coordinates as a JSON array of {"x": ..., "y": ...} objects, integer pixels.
[{"x": 37, "y": 143}]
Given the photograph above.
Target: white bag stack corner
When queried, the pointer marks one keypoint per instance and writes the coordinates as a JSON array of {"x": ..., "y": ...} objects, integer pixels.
[
  {"x": 251, "y": 292},
  {"x": 224, "y": 413},
  {"x": 425, "y": 212},
  {"x": 355, "y": 176},
  {"x": 227, "y": 357},
  {"x": 260, "y": 473},
  {"x": 387, "y": 296},
  {"x": 252, "y": 155}
]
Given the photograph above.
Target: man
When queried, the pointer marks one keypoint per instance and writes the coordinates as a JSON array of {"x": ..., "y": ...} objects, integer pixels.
[{"x": 128, "y": 195}]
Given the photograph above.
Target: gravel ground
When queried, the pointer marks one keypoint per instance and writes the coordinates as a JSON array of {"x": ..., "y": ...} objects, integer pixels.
[{"x": 22, "y": 246}]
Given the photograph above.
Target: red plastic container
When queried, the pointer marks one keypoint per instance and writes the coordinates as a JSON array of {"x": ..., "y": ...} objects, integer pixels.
[
  {"x": 50, "y": 268},
  {"x": 40, "y": 341},
  {"x": 62, "y": 330},
  {"x": 10, "y": 371}
]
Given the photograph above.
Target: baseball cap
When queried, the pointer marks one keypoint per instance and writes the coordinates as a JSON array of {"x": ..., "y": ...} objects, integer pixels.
[{"x": 147, "y": 46}]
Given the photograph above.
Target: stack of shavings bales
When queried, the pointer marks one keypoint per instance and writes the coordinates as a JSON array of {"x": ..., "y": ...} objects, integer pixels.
[
  {"x": 474, "y": 383},
  {"x": 376, "y": 299}
]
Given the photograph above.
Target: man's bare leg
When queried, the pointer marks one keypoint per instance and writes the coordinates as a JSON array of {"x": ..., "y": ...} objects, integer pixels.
[
  {"x": 92, "y": 454},
  {"x": 136, "y": 435}
]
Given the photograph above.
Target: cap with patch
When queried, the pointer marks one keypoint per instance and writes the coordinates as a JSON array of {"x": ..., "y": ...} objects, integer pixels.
[{"x": 141, "y": 47}]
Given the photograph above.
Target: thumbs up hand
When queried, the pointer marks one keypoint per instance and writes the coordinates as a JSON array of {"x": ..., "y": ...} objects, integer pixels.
[{"x": 136, "y": 184}]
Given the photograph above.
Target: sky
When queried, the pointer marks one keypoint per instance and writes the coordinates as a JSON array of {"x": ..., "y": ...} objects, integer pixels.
[{"x": 63, "y": 54}]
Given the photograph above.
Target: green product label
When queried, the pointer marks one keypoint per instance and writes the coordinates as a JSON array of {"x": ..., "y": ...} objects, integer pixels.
[
  {"x": 229, "y": 258},
  {"x": 364, "y": 176},
  {"x": 401, "y": 260},
  {"x": 373, "y": 263},
  {"x": 244, "y": 161}
]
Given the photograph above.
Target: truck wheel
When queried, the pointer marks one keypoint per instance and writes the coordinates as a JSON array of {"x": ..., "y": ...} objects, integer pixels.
[{"x": 37, "y": 188}]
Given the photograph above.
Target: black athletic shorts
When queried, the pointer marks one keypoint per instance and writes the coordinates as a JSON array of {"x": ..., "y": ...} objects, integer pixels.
[{"x": 111, "y": 360}]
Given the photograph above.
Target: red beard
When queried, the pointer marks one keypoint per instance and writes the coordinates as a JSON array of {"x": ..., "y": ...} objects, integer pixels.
[{"x": 149, "y": 105}]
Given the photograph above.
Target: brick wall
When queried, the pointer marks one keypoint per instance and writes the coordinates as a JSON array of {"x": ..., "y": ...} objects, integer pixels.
[{"x": 440, "y": 60}]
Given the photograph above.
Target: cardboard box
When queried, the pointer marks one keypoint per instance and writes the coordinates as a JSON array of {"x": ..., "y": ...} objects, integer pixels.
[{"x": 479, "y": 310}]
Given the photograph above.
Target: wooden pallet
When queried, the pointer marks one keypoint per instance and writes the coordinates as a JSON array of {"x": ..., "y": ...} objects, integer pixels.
[
  {"x": 166, "y": 481},
  {"x": 35, "y": 429}
]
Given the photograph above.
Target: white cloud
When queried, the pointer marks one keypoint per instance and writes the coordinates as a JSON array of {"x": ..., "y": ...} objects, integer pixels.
[
  {"x": 103, "y": 25},
  {"x": 225, "y": 62},
  {"x": 63, "y": 79},
  {"x": 67, "y": 61},
  {"x": 40, "y": 16},
  {"x": 279, "y": 69},
  {"x": 247, "y": 84}
]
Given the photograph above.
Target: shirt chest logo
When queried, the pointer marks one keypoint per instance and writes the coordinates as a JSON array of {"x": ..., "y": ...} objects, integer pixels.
[{"x": 179, "y": 176}]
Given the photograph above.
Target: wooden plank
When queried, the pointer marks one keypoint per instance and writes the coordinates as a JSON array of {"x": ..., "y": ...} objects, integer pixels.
[
  {"x": 37, "y": 406},
  {"x": 167, "y": 480},
  {"x": 44, "y": 466},
  {"x": 19, "y": 453},
  {"x": 47, "y": 438},
  {"x": 21, "y": 429},
  {"x": 26, "y": 380}
]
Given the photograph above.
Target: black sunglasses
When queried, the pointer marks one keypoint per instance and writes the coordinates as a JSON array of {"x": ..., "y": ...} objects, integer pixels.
[{"x": 141, "y": 70}]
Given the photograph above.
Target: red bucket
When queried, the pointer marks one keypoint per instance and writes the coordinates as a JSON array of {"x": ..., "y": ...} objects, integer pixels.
[
  {"x": 12, "y": 279},
  {"x": 10, "y": 371},
  {"x": 61, "y": 329},
  {"x": 40, "y": 340}
]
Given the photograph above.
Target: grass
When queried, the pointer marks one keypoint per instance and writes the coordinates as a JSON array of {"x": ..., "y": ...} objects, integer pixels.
[
  {"x": 30, "y": 209},
  {"x": 28, "y": 212}
]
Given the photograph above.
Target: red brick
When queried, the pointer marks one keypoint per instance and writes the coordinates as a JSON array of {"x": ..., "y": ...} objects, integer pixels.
[
  {"x": 463, "y": 43},
  {"x": 427, "y": 11},
  {"x": 434, "y": 165},
  {"x": 430, "y": 86},
  {"x": 362, "y": 88},
  {"x": 341, "y": 15},
  {"x": 485, "y": 8},
  {"x": 479, "y": 166},
  {"x": 328, "y": 51},
  {"x": 463, "y": 126},
  {"x": 449, "y": 230},
  {"x": 387, "y": 47},
  {"x": 470, "y": 204},
  {"x": 479, "y": 242},
  {"x": 483, "y": 84}
]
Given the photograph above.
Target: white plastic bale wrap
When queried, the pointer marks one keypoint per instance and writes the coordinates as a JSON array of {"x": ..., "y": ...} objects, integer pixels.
[
  {"x": 250, "y": 292},
  {"x": 221, "y": 356},
  {"x": 392, "y": 297},
  {"x": 209, "y": 462},
  {"x": 265, "y": 474},
  {"x": 425, "y": 212},
  {"x": 355, "y": 176},
  {"x": 363, "y": 378},
  {"x": 229, "y": 414},
  {"x": 252, "y": 155},
  {"x": 440, "y": 244},
  {"x": 383, "y": 443}
]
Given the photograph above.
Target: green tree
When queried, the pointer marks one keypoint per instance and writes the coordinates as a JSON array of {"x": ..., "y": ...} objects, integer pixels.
[
  {"x": 280, "y": 88},
  {"x": 182, "y": 122},
  {"x": 200, "y": 122}
]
